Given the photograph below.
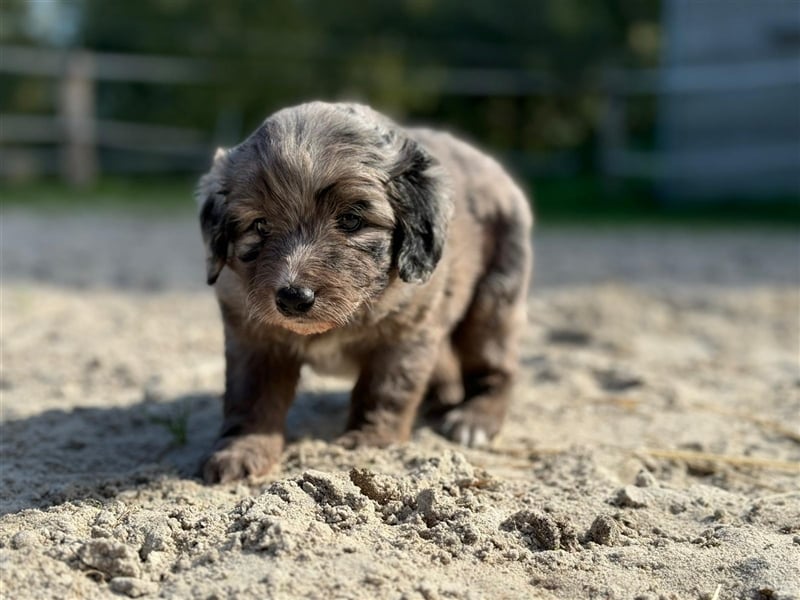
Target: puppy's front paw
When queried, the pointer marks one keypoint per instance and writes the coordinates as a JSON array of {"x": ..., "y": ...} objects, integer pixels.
[
  {"x": 469, "y": 428},
  {"x": 233, "y": 458}
]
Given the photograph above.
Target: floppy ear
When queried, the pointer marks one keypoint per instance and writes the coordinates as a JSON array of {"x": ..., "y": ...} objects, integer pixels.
[
  {"x": 212, "y": 197},
  {"x": 422, "y": 204}
]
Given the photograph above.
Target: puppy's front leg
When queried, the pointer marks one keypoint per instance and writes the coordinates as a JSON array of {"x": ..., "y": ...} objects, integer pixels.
[
  {"x": 259, "y": 387},
  {"x": 388, "y": 391}
]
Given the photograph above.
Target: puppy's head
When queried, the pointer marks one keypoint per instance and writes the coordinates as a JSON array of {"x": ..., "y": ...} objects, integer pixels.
[{"x": 319, "y": 211}]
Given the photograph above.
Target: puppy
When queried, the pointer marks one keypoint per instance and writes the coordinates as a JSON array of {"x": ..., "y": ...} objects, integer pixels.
[{"x": 336, "y": 238}]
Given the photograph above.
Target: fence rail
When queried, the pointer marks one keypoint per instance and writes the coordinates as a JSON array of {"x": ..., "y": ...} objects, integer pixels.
[
  {"x": 109, "y": 132},
  {"x": 108, "y": 66}
]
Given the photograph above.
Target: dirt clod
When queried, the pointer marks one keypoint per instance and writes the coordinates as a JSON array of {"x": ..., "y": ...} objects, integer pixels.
[
  {"x": 543, "y": 532},
  {"x": 114, "y": 559},
  {"x": 132, "y": 587},
  {"x": 604, "y": 530}
]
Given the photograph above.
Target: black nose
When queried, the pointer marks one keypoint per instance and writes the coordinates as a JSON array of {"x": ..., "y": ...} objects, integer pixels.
[{"x": 293, "y": 301}]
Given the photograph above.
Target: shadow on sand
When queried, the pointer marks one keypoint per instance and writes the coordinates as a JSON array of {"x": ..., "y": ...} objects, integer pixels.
[{"x": 95, "y": 453}]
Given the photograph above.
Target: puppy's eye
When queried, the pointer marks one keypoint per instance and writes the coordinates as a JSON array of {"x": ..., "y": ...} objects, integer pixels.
[
  {"x": 260, "y": 225},
  {"x": 350, "y": 222}
]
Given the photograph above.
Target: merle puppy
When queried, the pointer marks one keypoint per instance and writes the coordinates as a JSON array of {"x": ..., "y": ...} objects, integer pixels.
[{"x": 339, "y": 239}]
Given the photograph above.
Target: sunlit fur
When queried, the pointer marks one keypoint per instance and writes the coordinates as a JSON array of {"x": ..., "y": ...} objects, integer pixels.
[{"x": 300, "y": 173}]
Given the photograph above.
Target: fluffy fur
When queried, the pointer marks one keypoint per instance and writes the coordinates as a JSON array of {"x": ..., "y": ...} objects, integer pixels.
[{"x": 416, "y": 247}]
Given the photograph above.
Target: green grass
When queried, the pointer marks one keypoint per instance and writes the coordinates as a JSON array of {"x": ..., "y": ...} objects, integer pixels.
[
  {"x": 588, "y": 200},
  {"x": 176, "y": 423},
  {"x": 578, "y": 200},
  {"x": 172, "y": 194}
]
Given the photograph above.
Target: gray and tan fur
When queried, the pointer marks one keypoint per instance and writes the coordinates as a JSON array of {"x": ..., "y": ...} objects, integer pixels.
[{"x": 338, "y": 239}]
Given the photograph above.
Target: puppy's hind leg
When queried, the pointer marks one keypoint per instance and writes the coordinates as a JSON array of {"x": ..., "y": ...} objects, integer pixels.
[
  {"x": 487, "y": 341},
  {"x": 445, "y": 388}
]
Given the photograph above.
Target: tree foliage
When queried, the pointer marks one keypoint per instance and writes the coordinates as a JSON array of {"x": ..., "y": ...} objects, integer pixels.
[{"x": 519, "y": 75}]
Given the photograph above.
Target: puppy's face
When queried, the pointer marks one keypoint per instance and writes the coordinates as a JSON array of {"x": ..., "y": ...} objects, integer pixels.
[
  {"x": 319, "y": 211},
  {"x": 310, "y": 258}
]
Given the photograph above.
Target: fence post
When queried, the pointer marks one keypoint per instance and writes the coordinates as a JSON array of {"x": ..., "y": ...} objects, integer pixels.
[{"x": 77, "y": 111}]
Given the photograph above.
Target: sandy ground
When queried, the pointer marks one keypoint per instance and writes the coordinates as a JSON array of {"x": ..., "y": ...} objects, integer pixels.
[{"x": 653, "y": 449}]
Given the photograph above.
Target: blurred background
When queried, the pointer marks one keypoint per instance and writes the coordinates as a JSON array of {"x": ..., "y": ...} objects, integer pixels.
[{"x": 604, "y": 109}]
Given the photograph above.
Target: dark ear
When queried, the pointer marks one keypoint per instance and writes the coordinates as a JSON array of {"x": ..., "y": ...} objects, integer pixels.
[
  {"x": 423, "y": 207},
  {"x": 211, "y": 196}
]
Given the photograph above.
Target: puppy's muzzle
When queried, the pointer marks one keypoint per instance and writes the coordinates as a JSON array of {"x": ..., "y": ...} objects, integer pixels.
[{"x": 294, "y": 301}]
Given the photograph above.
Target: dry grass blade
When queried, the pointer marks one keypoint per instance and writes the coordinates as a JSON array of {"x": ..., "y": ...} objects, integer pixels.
[{"x": 740, "y": 461}]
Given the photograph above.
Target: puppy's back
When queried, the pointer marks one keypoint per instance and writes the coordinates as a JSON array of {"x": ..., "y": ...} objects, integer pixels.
[{"x": 478, "y": 182}]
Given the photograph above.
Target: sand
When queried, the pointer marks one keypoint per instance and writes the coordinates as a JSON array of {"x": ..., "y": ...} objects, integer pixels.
[{"x": 652, "y": 451}]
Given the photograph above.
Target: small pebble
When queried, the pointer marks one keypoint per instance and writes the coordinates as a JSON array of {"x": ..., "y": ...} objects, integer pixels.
[
  {"x": 25, "y": 539},
  {"x": 645, "y": 478},
  {"x": 630, "y": 497}
]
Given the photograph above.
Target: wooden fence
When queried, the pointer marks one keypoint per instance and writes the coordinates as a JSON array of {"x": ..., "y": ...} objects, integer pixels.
[
  {"x": 721, "y": 127},
  {"x": 76, "y": 131}
]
